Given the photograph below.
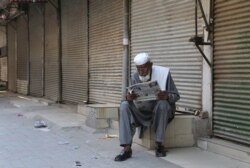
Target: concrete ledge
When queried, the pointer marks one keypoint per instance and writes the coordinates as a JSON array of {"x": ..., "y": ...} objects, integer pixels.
[
  {"x": 229, "y": 149},
  {"x": 181, "y": 132},
  {"x": 98, "y": 115}
]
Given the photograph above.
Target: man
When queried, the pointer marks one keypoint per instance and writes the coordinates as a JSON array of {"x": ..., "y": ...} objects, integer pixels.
[{"x": 155, "y": 113}]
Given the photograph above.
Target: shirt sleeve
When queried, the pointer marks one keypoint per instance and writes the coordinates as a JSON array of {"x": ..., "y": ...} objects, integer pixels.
[{"x": 173, "y": 94}]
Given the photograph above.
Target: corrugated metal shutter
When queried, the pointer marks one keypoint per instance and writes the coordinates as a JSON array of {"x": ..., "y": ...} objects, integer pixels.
[
  {"x": 163, "y": 29},
  {"x": 2, "y": 37},
  {"x": 22, "y": 54},
  {"x": 231, "y": 118},
  {"x": 51, "y": 52},
  {"x": 3, "y": 59},
  {"x": 74, "y": 51},
  {"x": 36, "y": 29},
  {"x": 12, "y": 54},
  {"x": 3, "y": 66},
  {"x": 105, "y": 51},
  {"x": 3, "y": 54}
]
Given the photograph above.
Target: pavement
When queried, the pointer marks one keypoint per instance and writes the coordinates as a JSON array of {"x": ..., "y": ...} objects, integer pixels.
[{"x": 67, "y": 142}]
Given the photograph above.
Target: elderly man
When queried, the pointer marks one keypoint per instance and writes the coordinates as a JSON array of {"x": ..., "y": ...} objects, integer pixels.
[{"x": 156, "y": 113}]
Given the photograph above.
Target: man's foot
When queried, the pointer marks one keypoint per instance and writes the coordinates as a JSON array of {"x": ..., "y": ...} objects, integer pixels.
[
  {"x": 160, "y": 151},
  {"x": 124, "y": 155}
]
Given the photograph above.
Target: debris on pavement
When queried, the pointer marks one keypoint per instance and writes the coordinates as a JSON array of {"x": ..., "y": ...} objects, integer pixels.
[
  {"x": 74, "y": 147},
  {"x": 40, "y": 124},
  {"x": 111, "y": 136},
  {"x": 63, "y": 142},
  {"x": 78, "y": 163},
  {"x": 20, "y": 115}
]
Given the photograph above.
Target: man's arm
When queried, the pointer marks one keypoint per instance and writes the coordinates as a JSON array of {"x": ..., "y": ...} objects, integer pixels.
[
  {"x": 130, "y": 96},
  {"x": 173, "y": 94}
]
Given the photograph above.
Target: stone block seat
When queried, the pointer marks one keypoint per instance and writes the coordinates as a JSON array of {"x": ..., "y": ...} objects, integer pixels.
[{"x": 182, "y": 131}]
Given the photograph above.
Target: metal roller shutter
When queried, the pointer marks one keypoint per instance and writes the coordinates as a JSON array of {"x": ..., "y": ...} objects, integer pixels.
[
  {"x": 36, "y": 29},
  {"x": 3, "y": 66},
  {"x": 22, "y": 54},
  {"x": 3, "y": 55},
  {"x": 163, "y": 29},
  {"x": 12, "y": 55},
  {"x": 51, "y": 52},
  {"x": 75, "y": 51},
  {"x": 105, "y": 50},
  {"x": 231, "y": 118},
  {"x": 2, "y": 37},
  {"x": 4, "y": 72}
]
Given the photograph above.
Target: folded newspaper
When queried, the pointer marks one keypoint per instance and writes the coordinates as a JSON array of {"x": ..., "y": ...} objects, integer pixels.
[{"x": 145, "y": 91}]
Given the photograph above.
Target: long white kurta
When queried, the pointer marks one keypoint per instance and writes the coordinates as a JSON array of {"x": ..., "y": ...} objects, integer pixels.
[{"x": 156, "y": 113}]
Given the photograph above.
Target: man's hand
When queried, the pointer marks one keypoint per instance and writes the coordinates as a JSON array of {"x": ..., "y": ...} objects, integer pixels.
[
  {"x": 162, "y": 95},
  {"x": 131, "y": 96}
]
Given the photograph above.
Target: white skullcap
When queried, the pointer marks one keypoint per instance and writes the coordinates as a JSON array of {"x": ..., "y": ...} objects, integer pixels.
[{"x": 141, "y": 58}]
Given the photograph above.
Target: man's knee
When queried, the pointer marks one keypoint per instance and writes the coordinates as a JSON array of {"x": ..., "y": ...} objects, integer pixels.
[
  {"x": 163, "y": 105},
  {"x": 124, "y": 105},
  {"x": 124, "y": 108}
]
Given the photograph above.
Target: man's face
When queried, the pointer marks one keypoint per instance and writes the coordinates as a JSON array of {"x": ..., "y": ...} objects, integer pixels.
[{"x": 144, "y": 69}]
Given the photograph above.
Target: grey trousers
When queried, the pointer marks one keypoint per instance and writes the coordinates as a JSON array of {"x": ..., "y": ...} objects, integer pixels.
[{"x": 130, "y": 117}]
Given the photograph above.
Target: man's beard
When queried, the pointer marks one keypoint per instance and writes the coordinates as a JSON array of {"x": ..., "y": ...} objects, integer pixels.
[{"x": 145, "y": 78}]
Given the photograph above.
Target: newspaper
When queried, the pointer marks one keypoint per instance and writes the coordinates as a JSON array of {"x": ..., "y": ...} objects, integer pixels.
[{"x": 145, "y": 91}]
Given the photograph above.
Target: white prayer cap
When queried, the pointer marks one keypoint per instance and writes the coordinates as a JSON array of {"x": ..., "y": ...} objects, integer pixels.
[{"x": 141, "y": 58}]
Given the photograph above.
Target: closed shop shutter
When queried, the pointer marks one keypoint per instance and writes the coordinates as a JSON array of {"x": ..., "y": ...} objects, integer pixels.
[
  {"x": 12, "y": 54},
  {"x": 2, "y": 37},
  {"x": 36, "y": 29},
  {"x": 231, "y": 118},
  {"x": 163, "y": 29},
  {"x": 74, "y": 50},
  {"x": 22, "y": 54},
  {"x": 3, "y": 66},
  {"x": 3, "y": 54},
  {"x": 51, "y": 52},
  {"x": 105, "y": 51}
]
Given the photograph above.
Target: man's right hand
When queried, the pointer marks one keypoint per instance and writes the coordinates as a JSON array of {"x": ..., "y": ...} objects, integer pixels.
[{"x": 131, "y": 96}]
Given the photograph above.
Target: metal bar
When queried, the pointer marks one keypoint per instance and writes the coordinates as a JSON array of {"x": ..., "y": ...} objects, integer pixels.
[
  {"x": 60, "y": 99},
  {"x": 204, "y": 56},
  {"x": 88, "y": 16},
  {"x": 204, "y": 43},
  {"x": 196, "y": 17},
  {"x": 203, "y": 15},
  {"x": 125, "y": 47},
  {"x": 28, "y": 75},
  {"x": 43, "y": 60},
  {"x": 209, "y": 19}
]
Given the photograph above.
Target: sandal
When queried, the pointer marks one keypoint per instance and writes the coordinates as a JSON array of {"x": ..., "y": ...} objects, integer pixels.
[{"x": 124, "y": 155}]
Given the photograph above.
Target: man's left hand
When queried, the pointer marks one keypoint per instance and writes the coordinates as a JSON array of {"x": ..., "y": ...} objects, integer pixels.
[{"x": 162, "y": 95}]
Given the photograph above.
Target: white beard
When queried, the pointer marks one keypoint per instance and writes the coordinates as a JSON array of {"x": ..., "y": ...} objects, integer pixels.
[{"x": 144, "y": 78}]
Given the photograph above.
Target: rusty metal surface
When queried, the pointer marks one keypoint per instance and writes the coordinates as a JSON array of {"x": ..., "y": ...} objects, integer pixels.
[
  {"x": 51, "y": 55},
  {"x": 36, "y": 30},
  {"x": 74, "y": 51},
  {"x": 12, "y": 56},
  {"x": 105, "y": 51},
  {"x": 232, "y": 70}
]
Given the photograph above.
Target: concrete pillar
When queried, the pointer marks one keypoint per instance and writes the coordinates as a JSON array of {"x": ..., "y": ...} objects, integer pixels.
[{"x": 207, "y": 82}]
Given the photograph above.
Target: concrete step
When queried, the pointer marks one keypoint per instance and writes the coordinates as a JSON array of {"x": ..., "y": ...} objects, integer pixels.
[
  {"x": 181, "y": 132},
  {"x": 98, "y": 116},
  {"x": 226, "y": 148}
]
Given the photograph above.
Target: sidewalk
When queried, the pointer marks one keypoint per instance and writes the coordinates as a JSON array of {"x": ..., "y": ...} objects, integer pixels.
[{"x": 67, "y": 142}]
